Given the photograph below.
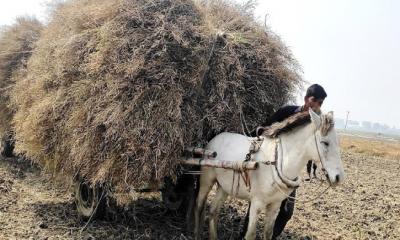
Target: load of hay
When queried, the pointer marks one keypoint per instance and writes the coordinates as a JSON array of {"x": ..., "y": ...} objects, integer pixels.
[
  {"x": 16, "y": 44},
  {"x": 118, "y": 89}
]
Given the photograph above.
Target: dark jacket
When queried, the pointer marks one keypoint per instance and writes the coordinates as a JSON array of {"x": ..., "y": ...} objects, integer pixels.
[{"x": 278, "y": 116}]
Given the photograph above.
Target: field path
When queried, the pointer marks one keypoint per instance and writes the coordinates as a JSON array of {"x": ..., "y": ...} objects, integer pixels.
[{"x": 367, "y": 206}]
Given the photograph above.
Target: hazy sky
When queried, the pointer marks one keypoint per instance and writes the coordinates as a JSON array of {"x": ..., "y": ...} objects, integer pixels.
[
  {"x": 351, "y": 47},
  {"x": 13, "y": 8}
]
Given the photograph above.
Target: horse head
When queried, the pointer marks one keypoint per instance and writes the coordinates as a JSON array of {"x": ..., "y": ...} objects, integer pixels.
[{"x": 326, "y": 148}]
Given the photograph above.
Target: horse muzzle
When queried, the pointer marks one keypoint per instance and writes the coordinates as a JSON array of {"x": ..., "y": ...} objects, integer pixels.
[{"x": 334, "y": 180}]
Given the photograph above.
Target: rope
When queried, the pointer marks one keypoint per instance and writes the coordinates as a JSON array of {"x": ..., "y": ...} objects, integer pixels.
[
  {"x": 234, "y": 172},
  {"x": 294, "y": 198},
  {"x": 279, "y": 166},
  {"x": 206, "y": 72},
  {"x": 238, "y": 166},
  {"x": 245, "y": 128},
  {"x": 210, "y": 56},
  {"x": 321, "y": 181},
  {"x": 298, "y": 200}
]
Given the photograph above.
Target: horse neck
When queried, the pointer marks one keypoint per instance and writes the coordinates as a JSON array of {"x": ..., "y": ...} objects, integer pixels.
[{"x": 294, "y": 149}]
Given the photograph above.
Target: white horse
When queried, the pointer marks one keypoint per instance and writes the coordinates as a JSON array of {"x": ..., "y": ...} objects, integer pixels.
[{"x": 281, "y": 159}]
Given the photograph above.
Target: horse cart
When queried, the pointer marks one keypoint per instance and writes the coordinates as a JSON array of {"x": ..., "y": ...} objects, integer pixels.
[{"x": 177, "y": 196}]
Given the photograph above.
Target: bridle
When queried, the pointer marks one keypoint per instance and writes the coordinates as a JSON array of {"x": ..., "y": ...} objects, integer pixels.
[
  {"x": 278, "y": 161},
  {"x": 292, "y": 186},
  {"x": 320, "y": 158},
  {"x": 289, "y": 183},
  {"x": 255, "y": 147}
]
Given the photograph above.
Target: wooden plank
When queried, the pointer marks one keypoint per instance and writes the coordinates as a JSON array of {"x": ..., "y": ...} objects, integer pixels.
[
  {"x": 238, "y": 166},
  {"x": 201, "y": 153}
]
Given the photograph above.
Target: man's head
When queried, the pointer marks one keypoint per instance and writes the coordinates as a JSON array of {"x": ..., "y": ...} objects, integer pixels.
[{"x": 314, "y": 98}]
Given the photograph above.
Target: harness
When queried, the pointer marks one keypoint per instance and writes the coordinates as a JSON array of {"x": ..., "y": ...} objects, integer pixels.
[
  {"x": 278, "y": 163},
  {"x": 254, "y": 148},
  {"x": 290, "y": 198}
]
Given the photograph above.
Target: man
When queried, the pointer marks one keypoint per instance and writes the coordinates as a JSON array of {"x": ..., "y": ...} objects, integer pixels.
[{"x": 314, "y": 99}]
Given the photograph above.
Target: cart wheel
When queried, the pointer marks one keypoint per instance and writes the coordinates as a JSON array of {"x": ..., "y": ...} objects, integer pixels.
[
  {"x": 7, "y": 146},
  {"x": 181, "y": 197},
  {"x": 171, "y": 198},
  {"x": 90, "y": 202}
]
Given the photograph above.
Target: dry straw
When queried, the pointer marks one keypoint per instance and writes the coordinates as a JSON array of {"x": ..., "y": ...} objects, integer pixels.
[
  {"x": 16, "y": 44},
  {"x": 117, "y": 89}
]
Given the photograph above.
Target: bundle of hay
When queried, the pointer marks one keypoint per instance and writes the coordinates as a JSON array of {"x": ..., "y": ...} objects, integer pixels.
[
  {"x": 117, "y": 89},
  {"x": 16, "y": 44}
]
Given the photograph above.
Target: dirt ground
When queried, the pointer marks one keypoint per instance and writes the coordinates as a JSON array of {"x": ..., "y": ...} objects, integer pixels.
[{"x": 366, "y": 206}]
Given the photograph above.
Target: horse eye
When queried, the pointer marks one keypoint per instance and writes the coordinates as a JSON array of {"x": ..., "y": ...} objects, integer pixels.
[{"x": 325, "y": 143}]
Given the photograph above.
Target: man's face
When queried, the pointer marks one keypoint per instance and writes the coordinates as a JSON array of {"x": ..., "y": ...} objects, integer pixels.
[{"x": 312, "y": 102}]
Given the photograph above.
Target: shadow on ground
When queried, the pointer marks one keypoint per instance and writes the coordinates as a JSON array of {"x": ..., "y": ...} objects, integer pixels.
[
  {"x": 53, "y": 215},
  {"x": 142, "y": 219}
]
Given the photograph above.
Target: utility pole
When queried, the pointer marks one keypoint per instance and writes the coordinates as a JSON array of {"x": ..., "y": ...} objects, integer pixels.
[{"x": 347, "y": 119}]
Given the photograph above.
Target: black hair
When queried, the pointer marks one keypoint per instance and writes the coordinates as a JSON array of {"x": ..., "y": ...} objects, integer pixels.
[{"x": 316, "y": 91}]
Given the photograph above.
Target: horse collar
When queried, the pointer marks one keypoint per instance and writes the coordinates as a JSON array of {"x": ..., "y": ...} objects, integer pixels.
[{"x": 289, "y": 183}]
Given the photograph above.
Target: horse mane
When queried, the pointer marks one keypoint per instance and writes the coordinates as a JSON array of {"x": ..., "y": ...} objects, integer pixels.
[
  {"x": 287, "y": 125},
  {"x": 298, "y": 120}
]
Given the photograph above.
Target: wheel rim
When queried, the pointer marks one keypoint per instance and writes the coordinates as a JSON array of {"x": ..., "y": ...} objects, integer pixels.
[
  {"x": 86, "y": 199},
  {"x": 86, "y": 195},
  {"x": 172, "y": 200}
]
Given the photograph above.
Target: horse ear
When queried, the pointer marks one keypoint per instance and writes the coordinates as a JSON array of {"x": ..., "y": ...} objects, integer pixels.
[{"x": 315, "y": 119}]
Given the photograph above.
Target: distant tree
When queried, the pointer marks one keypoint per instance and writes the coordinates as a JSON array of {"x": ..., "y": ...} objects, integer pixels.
[
  {"x": 339, "y": 123},
  {"x": 366, "y": 125},
  {"x": 353, "y": 124},
  {"x": 385, "y": 127},
  {"x": 377, "y": 127}
]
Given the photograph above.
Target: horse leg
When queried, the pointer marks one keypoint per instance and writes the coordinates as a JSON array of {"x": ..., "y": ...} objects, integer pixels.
[
  {"x": 309, "y": 166},
  {"x": 206, "y": 183},
  {"x": 271, "y": 212},
  {"x": 255, "y": 209},
  {"x": 216, "y": 205},
  {"x": 314, "y": 170}
]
